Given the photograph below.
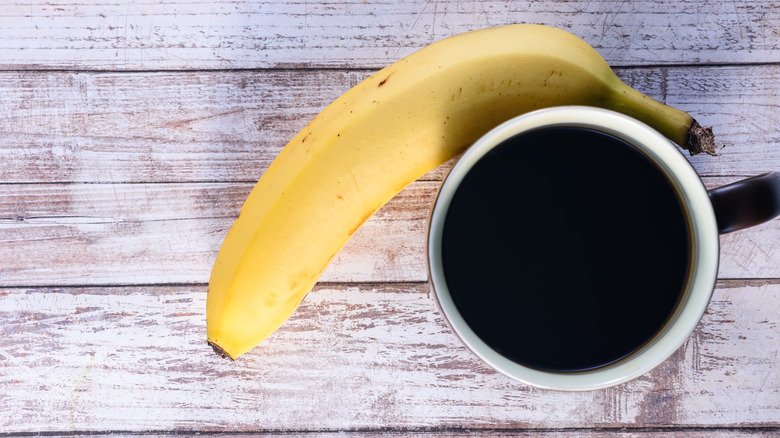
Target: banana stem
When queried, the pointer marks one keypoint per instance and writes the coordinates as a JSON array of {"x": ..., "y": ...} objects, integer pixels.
[
  {"x": 675, "y": 124},
  {"x": 701, "y": 139}
]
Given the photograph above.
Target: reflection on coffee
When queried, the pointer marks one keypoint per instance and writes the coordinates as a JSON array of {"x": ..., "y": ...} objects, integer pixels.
[{"x": 565, "y": 249}]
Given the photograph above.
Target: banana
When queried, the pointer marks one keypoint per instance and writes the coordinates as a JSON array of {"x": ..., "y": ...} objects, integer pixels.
[{"x": 381, "y": 135}]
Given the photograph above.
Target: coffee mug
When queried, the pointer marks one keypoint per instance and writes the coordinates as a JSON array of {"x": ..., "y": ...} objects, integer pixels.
[{"x": 575, "y": 248}]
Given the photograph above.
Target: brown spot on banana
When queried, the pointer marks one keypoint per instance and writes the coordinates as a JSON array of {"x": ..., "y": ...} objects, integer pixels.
[{"x": 384, "y": 81}]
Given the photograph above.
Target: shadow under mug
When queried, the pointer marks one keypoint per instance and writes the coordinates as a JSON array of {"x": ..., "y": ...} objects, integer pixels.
[{"x": 707, "y": 213}]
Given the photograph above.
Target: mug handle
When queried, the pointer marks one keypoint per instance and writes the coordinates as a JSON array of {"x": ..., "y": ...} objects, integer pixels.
[{"x": 747, "y": 202}]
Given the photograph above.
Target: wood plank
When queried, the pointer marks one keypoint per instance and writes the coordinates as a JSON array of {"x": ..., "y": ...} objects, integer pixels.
[
  {"x": 709, "y": 432},
  {"x": 123, "y": 234},
  {"x": 81, "y": 234},
  {"x": 354, "y": 357},
  {"x": 170, "y": 233},
  {"x": 88, "y": 127},
  {"x": 202, "y": 34},
  {"x": 229, "y": 126}
]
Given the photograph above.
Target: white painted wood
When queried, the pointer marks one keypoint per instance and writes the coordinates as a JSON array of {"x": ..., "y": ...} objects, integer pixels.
[
  {"x": 242, "y": 34},
  {"x": 352, "y": 357},
  {"x": 229, "y": 126},
  {"x": 565, "y": 433},
  {"x": 709, "y": 432},
  {"x": 130, "y": 133},
  {"x": 124, "y": 234},
  {"x": 86, "y": 234}
]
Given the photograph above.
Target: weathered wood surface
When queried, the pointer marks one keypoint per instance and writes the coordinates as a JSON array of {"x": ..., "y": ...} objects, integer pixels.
[
  {"x": 644, "y": 432},
  {"x": 353, "y": 356},
  {"x": 238, "y": 34},
  {"x": 553, "y": 433},
  {"x": 131, "y": 132},
  {"x": 228, "y": 126}
]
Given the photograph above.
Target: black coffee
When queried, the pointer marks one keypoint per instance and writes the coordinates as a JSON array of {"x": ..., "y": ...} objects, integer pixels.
[{"x": 565, "y": 249}]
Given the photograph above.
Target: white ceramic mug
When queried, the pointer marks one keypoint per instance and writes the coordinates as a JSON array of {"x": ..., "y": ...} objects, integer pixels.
[{"x": 708, "y": 213}]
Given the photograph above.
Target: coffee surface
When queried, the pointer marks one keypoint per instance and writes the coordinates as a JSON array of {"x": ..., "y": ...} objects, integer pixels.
[{"x": 565, "y": 249}]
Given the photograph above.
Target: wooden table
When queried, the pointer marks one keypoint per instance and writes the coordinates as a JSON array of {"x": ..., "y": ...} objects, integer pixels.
[{"x": 130, "y": 135}]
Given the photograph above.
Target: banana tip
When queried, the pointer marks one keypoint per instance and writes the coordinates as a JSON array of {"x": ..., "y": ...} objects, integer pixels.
[{"x": 220, "y": 352}]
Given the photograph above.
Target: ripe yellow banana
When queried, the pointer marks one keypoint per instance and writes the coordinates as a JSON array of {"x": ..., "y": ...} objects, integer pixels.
[{"x": 383, "y": 134}]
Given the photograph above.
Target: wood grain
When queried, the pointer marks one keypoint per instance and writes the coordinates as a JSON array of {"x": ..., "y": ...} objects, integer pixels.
[
  {"x": 229, "y": 126},
  {"x": 367, "y": 357},
  {"x": 125, "y": 234},
  {"x": 131, "y": 132},
  {"x": 709, "y": 432},
  {"x": 230, "y": 34}
]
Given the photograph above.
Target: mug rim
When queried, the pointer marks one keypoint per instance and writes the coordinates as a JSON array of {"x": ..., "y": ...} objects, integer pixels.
[{"x": 703, "y": 264}]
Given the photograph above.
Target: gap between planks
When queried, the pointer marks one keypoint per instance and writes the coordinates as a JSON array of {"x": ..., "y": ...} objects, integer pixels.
[
  {"x": 435, "y": 175},
  {"x": 594, "y": 432},
  {"x": 311, "y": 68},
  {"x": 721, "y": 283}
]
